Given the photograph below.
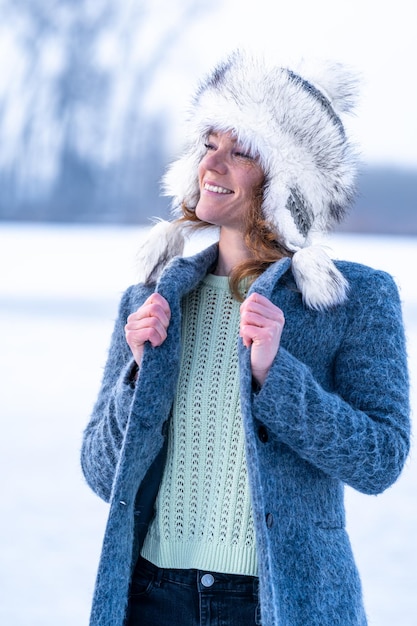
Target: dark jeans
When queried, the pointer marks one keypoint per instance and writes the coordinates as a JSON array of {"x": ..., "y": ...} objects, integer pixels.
[{"x": 176, "y": 597}]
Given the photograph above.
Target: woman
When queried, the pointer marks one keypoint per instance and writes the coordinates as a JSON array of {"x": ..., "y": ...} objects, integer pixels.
[{"x": 247, "y": 384}]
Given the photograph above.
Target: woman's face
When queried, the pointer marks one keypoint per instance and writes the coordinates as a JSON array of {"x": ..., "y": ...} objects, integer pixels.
[{"x": 227, "y": 178}]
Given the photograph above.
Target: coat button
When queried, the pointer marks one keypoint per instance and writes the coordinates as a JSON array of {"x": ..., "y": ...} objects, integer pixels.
[
  {"x": 207, "y": 580},
  {"x": 263, "y": 434},
  {"x": 269, "y": 520}
]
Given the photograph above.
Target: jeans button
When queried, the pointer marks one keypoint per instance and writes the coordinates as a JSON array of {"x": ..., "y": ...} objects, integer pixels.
[{"x": 207, "y": 580}]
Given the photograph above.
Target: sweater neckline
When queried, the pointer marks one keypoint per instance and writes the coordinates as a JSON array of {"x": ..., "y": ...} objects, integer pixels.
[{"x": 219, "y": 282}]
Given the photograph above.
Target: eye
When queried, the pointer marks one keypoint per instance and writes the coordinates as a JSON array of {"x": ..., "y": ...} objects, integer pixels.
[
  {"x": 241, "y": 153},
  {"x": 209, "y": 146},
  {"x": 244, "y": 155}
]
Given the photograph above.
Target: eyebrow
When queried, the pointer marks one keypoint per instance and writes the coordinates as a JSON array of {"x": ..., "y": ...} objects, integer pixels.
[{"x": 215, "y": 133}]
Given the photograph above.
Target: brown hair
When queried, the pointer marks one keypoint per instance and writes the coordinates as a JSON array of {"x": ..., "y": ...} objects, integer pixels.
[{"x": 261, "y": 241}]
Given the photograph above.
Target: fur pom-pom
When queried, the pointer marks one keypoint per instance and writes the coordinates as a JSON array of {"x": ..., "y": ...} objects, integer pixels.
[
  {"x": 337, "y": 82},
  {"x": 320, "y": 282},
  {"x": 164, "y": 242},
  {"x": 181, "y": 179}
]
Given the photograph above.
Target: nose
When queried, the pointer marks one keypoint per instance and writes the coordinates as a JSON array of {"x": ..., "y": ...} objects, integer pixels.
[{"x": 215, "y": 160}]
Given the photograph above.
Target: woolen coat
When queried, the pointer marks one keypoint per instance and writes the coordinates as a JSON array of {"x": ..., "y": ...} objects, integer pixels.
[{"x": 334, "y": 410}]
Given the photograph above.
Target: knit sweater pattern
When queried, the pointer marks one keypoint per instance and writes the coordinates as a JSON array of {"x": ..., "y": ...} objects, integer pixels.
[{"x": 203, "y": 512}]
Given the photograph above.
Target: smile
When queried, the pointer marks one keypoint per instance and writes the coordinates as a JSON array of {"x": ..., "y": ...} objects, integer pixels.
[{"x": 216, "y": 189}]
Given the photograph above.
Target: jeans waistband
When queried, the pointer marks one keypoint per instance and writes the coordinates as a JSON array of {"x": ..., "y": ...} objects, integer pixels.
[{"x": 203, "y": 580}]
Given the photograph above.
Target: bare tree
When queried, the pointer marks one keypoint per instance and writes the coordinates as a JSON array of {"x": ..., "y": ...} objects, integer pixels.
[{"x": 81, "y": 127}]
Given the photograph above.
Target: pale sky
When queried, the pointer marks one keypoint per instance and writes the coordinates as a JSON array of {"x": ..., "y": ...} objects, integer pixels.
[{"x": 375, "y": 37}]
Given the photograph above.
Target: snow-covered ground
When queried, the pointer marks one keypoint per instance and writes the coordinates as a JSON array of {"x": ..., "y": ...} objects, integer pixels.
[{"x": 59, "y": 290}]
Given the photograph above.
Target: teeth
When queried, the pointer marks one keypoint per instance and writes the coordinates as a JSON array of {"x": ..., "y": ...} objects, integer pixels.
[{"x": 216, "y": 189}]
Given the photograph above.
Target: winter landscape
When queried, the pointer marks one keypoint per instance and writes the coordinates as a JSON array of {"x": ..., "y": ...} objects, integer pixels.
[
  {"x": 59, "y": 290},
  {"x": 85, "y": 89}
]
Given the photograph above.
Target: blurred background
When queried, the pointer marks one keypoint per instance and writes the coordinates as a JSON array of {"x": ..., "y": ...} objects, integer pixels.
[
  {"x": 93, "y": 92},
  {"x": 93, "y": 95}
]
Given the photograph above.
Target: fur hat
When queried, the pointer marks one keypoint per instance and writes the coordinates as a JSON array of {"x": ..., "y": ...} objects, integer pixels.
[{"x": 290, "y": 119}]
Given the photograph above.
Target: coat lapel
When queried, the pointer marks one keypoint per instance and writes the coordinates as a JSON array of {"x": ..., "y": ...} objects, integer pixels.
[
  {"x": 184, "y": 273},
  {"x": 156, "y": 384},
  {"x": 264, "y": 285},
  {"x": 266, "y": 282}
]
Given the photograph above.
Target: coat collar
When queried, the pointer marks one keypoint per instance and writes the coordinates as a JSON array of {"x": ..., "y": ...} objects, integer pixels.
[
  {"x": 266, "y": 282},
  {"x": 183, "y": 274}
]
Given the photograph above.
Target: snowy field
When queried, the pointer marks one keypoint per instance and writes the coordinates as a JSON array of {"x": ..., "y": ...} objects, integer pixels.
[{"x": 59, "y": 290}]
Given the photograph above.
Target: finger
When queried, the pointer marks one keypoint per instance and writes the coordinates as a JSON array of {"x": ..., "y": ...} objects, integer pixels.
[
  {"x": 245, "y": 335},
  {"x": 156, "y": 298},
  {"x": 259, "y": 330},
  {"x": 136, "y": 324},
  {"x": 257, "y": 298},
  {"x": 144, "y": 323},
  {"x": 250, "y": 318},
  {"x": 259, "y": 319},
  {"x": 150, "y": 310},
  {"x": 273, "y": 314},
  {"x": 261, "y": 306},
  {"x": 262, "y": 335},
  {"x": 137, "y": 337}
]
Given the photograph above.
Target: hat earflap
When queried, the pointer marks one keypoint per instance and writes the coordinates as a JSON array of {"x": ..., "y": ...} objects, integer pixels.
[
  {"x": 164, "y": 242},
  {"x": 320, "y": 282}
]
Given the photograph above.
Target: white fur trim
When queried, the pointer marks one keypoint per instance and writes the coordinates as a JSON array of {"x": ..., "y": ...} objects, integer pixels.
[
  {"x": 337, "y": 82},
  {"x": 320, "y": 282},
  {"x": 164, "y": 242}
]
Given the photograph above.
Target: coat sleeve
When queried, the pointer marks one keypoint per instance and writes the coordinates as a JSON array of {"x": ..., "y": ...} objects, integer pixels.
[
  {"x": 359, "y": 432},
  {"x": 103, "y": 436}
]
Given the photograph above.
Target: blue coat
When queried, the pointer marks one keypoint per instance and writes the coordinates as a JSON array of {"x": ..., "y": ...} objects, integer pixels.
[{"x": 333, "y": 410}]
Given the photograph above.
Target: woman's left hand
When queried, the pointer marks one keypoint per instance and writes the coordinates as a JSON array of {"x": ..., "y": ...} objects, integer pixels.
[{"x": 261, "y": 324}]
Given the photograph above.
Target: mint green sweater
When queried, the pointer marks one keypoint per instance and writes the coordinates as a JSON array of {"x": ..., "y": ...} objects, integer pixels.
[{"x": 203, "y": 512}]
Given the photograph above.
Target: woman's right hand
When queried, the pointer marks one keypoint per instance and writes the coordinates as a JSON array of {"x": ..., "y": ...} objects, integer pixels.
[{"x": 149, "y": 323}]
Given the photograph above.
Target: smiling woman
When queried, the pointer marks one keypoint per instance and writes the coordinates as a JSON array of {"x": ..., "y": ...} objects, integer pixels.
[
  {"x": 227, "y": 169},
  {"x": 232, "y": 412}
]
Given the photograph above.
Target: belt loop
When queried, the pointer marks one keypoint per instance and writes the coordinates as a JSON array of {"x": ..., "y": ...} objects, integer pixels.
[{"x": 159, "y": 574}]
